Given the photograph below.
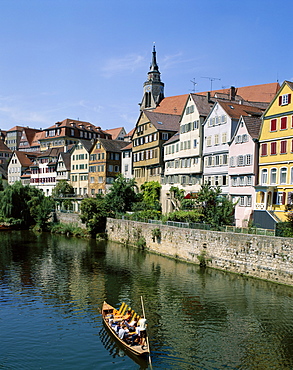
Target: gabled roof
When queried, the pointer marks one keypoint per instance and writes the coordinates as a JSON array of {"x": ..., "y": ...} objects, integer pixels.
[
  {"x": 253, "y": 126},
  {"x": 172, "y": 104},
  {"x": 87, "y": 144},
  {"x": 16, "y": 128},
  {"x": 115, "y": 132},
  {"x": 66, "y": 157},
  {"x": 38, "y": 136},
  {"x": 113, "y": 145},
  {"x": 163, "y": 121},
  {"x": 23, "y": 158},
  {"x": 30, "y": 133},
  {"x": 127, "y": 147},
  {"x": 254, "y": 93},
  {"x": 52, "y": 152},
  {"x": 235, "y": 110},
  {"x": 4, "y": 147},
  {"x": 173, "y": 138},
  {"x": 202, "y": 104},
  {"x": 289, "y": 83}
]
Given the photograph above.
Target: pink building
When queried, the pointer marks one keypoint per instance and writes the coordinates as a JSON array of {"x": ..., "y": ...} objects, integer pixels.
[{"x": 243, "y": 167}]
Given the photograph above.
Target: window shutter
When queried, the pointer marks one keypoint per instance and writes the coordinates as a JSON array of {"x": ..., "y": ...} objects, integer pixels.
[
  {"x": 275, "y": 197},
  {"x": 280, "y": 100},
  {"x": 289, "y": 98},
  {"x": 283, "y": 123},
  {"x": 284, "y": 197}
]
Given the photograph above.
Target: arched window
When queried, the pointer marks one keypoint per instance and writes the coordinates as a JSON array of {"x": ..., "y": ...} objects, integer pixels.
[
  {"x": 283, "y": 175},
  {"x": 264, "y": 176},
  {"x": 273, "y": 177}
]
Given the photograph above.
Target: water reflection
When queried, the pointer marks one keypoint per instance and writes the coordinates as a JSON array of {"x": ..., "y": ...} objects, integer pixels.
[{"x": 198, "y": 319}]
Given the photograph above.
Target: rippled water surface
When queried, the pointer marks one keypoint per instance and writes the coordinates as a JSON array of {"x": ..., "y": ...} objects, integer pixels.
[{"x": 51, "y": 289}]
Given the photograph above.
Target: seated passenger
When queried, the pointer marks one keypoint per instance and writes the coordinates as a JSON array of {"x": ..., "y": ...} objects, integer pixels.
[{"x": 128, "y": 316}]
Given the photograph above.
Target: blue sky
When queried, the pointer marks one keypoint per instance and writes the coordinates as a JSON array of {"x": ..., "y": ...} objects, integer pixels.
[{"x": 88, "y": 59}]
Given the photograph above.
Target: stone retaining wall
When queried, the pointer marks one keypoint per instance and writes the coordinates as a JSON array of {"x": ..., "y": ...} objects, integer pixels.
[
  {"x": 68, "y": 218},
  {"x": 264, "y": 257}
]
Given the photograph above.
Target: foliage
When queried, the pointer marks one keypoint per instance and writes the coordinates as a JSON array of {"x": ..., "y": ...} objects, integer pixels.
[
  {"x": 285, "y": 229},
  {"x": 202, "y": 258},
  {"x": 68, "y": 229},
  {"x": 94, "y": 212},
  {"x": 216, "y": 209},
  {"x": 62, "y": 188},
  {"x": 144, "y": 215},
  {"x": 151, "y": 195},
  {"x": 184, "y": 216},
  {"x": 25, "y": 206},
  {"x": 177, "y": 193},
  {"x": 122, "y": 195}
]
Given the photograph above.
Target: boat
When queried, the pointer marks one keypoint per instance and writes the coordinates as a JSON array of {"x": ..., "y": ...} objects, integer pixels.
[{"x": 107, "y": 311}]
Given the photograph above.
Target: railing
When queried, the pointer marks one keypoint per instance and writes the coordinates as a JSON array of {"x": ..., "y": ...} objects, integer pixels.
[
  {"x": 260, "y": 206},
  {"x": 189, "y": 225}
]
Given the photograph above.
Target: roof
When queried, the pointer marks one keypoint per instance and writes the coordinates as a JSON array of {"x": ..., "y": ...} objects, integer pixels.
[
  {"x": 115, "y": 132},
  {"x": 256, "y": 93},
  {"x": 23, "y": 158},
  {"x": 113, "y": 145},
  {"x": 235, "y": 110},
  {"x": 52, "y": 152},
  {"x": 173, "y": 138},
  {"x": 30, "y": 134},
  {"x": 163, "y": 121},
  {"x": 202, "y": 104},
  {"x": 4, "y": 147},
  {"x": 253, "y": 125},
  {"x": 66, "y": 157},
  {"x": 172, "y": 104},
  {"x": 127, "y": 147}
]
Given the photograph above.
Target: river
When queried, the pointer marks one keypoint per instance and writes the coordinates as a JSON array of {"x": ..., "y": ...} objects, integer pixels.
[{"x": 52, "y": 287}]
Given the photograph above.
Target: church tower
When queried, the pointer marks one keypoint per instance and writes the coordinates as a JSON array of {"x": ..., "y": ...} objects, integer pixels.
[{"x": 153, "y": 88}]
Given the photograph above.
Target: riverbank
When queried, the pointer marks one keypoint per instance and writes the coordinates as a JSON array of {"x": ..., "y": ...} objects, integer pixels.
[{"x": 264, "y": 257}]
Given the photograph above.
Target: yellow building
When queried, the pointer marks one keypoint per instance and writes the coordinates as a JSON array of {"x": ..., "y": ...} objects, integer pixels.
[
  {"x": 274, "y": 196},
  {"x": 151, "y": 132}
]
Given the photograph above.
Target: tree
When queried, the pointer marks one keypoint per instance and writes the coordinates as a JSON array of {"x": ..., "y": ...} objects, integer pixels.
[
  {"x": 62, "y": 188},
  {"x": 94, "y": 213},
  {"x": 122, "y": 195},
  {"x": 151, "y": 192},
  {"x": 25, "y": 205},
  {"x": 216, "y": 209}
]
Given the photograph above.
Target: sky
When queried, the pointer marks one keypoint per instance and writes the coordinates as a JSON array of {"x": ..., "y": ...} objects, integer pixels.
[{"x": 88, "y": 59}]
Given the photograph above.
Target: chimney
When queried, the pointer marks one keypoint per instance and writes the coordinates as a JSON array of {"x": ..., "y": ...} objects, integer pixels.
[{"x": 232, "y": 93}]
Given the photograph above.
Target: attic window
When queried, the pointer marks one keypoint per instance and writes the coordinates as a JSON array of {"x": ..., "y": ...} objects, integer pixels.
[
  {"x": 231, "y": 106},
  {"x": 160, "y": 123}
]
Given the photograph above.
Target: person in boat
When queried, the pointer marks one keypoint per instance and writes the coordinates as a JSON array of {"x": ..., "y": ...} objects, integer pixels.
[
  {"x": 123, "y": 333},
  {"x": 132, "y": 325},
  {"x": 142, "y": 324}
]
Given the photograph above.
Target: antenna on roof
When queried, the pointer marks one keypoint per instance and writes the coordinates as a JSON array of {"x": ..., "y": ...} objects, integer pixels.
[
  {"x": 212, "y": 79},
  {"x": 194, "y": 83}
]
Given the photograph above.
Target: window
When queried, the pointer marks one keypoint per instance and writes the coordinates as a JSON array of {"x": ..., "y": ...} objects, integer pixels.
[
  {"x": 283, "y": 175},
  {"x": 232, "y": 162},
  {"x": 209, "y": 141},
  {"x": 264, "y": 149},
  {"x": 245, "y": 138},
  {"x": 273, "y": 176},
  {"x": 224, "y": 138},
  {"x": 273, "y": 124},
  {"x": 274, "y": 147},
  {"x": 194, "y": 143},
  {"x": 195, "y": 125},
  {"x": 248, "y": 159},
  {"x": 283, "y": 147},
  {"x": 240, "y": 161},
  {"x": 285, "y": 99},
  {"x": 216, "y": 139},
  {"x": 283, "y": 123},
  {"x": 264, "y": 176}
]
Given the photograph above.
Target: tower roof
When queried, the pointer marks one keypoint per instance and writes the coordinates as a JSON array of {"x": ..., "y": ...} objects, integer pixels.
[{"x": 154, "y": 65}]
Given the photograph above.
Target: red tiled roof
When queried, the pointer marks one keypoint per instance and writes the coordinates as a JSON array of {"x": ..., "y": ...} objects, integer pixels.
[
  {"x": 235, "y": 110},
  {"x": 172, "y": 104},
  {"x": 257, "y": 93}
]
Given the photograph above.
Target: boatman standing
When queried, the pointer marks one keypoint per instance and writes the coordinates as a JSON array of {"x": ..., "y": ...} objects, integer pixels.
[{"x": 142, "y": 323}]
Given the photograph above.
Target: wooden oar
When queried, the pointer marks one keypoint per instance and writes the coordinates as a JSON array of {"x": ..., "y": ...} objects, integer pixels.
[{"x": 147, "y": 338}]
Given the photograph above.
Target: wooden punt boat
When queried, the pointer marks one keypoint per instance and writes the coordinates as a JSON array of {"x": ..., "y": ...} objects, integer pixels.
[{"x": 107, "y": 311}]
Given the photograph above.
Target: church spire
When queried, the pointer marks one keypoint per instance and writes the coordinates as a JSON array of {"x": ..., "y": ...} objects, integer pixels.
[
  {"x": 153, "y": 88},
  {"x": 154, "y": 66}
]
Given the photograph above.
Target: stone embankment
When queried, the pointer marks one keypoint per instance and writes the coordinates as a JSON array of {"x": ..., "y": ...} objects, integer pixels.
[{"x": 264, "y": 257}]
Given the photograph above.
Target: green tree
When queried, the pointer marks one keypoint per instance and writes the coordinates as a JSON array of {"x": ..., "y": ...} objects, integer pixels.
[
  {"x": 216, "y": 209},
  {"x": 122, "y": 195},
  {"x": 62, "y": 188},
  {"x": 24, "y": 205},
  {"x": 151, "y": 192},
  {"x": 94, "y": 213}
]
